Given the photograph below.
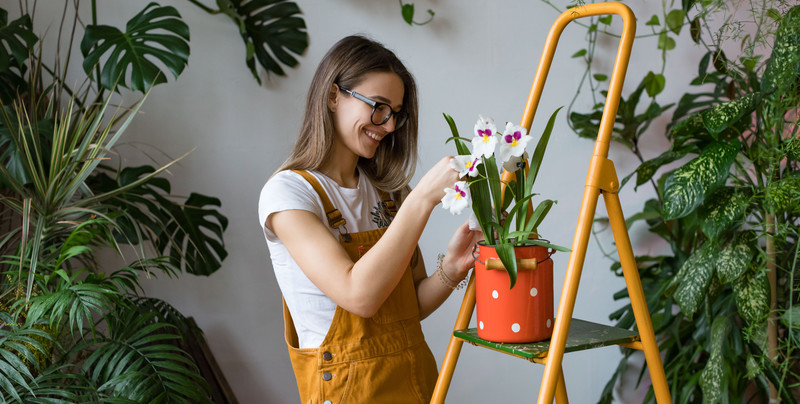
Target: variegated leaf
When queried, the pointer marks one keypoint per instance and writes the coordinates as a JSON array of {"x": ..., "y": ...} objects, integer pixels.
[
  {"x": 783, "y": 67},
  {"x": 687, "y": 129},
  {"x": 723, "y": 210},
  {"x": 784, "y": 195},
  {"x": 733, "y": 260},
  {"x": 714, "y": 372},
  {"x": 685, "y": 188},
  {"x": 752, "y": 297},
  {"x": 646, "y": 171},
  {"x": 697, "y": 273},
  {"x": 719, "y": 117}
]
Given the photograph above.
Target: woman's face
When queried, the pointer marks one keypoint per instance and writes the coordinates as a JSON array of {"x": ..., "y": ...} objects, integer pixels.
[{"x": 352, "y": 116}]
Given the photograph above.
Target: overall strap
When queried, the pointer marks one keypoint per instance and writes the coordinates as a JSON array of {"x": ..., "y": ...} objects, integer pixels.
[{"x": 335, "y": 218}]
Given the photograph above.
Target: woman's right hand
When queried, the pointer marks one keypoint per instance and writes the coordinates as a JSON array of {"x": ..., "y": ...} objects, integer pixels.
[{"x": 433, "y": 183}]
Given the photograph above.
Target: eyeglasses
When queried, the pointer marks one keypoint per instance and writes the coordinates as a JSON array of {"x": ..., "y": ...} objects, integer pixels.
[{"x": 381, "y": 112}]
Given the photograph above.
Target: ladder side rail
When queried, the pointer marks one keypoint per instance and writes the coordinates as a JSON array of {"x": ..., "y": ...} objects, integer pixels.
[{"x": 591, "y": 190}]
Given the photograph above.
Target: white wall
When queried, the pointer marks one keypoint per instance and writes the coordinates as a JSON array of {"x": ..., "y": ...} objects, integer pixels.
[{"x": 478, "y": 56}]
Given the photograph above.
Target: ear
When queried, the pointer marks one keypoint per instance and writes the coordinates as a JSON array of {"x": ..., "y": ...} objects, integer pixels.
[{"x": 333, "y": 97}]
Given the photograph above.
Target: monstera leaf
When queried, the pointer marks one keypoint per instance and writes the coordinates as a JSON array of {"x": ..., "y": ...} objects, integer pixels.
[
  {"x": 272, "y": 31},
  {"x": 189, "y": 233},
  {"x": 194, "y": 235},
  {"x": 155, "y": 33},
  {"x": 16, "y": 37}
]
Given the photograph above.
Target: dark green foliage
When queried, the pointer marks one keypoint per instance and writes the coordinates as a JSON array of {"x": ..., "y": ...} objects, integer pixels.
[
  {"x": 155, "y": 33},
  {"x": 728, "y": 212},
  {"x": 272, "y": 31}
]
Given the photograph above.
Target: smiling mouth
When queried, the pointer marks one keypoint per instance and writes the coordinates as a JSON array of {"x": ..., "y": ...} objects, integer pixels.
[{"x": 374, "y": 137}]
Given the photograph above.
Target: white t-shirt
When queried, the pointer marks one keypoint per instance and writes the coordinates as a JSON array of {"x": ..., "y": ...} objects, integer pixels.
[{"x": 312, "y": 311}]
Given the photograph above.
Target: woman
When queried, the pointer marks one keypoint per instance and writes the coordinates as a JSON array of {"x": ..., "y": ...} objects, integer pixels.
[{"x": 346, "y": 258}]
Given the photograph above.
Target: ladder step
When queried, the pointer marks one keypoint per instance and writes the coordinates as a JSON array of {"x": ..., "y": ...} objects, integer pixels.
[{"x": 582, "y": 335}]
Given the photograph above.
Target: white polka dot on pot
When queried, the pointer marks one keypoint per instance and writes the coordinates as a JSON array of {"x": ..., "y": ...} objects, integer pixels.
[
  {"x": 548, "y": 323},
  {"x": 515, "y": 327},
  {"x": 480, "y": 324},
  {"x": 495, "y": 294},
  {"x": 534, "y": 292}
]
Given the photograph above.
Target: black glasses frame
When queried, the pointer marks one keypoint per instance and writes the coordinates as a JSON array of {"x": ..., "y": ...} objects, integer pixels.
[{"x": 400, "y": 117}]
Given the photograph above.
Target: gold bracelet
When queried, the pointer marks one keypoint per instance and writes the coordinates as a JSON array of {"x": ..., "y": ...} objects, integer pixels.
[{"x": 453, "y": 285}]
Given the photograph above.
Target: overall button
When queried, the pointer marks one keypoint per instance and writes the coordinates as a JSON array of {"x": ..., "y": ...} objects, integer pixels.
[
  {"x": 327, "y": 356},
  {"x": 327, "y": 376},
  {"x": 328, "y": 402}
]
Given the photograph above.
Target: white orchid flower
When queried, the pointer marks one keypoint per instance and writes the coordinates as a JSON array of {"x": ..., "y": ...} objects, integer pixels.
[
  {"x": 457, "y": 198},
  {"x": 465, "y": 165},
  {"x": 511, "y": 165},
  {"x": 512, "y": 142},
  {"x": 485, "y": 139}
]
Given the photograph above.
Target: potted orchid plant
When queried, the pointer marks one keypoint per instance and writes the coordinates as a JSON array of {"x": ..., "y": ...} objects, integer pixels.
[{"x": 502, "y": 203}]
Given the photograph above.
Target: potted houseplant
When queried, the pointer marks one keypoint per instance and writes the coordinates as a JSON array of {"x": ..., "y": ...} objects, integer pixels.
[
  {"x": 514, "y": 272},
  {"x": 727, "y": 189}
]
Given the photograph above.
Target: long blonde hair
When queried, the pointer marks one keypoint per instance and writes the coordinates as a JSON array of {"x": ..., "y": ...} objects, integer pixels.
[{"x": 346, "y": 64}]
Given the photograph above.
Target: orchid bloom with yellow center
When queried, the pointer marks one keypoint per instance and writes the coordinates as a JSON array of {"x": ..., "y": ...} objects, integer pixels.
[
  {"x": 456, "y": 199},
  {"x": 513, "y": 142},
  {"x": 485, "y": 138},
  {"x": 465, "y": 165}
]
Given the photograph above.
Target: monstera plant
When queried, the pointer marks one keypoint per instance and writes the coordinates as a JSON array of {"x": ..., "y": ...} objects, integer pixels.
[
  {"x": 725, "y": 300},
  {"x": 75, "y": 327}
]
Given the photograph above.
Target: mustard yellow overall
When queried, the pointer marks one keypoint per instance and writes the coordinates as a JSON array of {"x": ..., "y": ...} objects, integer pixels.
[{"x": 383, "y": 359}]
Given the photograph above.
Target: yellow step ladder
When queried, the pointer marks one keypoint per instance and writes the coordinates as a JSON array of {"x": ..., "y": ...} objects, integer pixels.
[{"x": 572, "y": 334}]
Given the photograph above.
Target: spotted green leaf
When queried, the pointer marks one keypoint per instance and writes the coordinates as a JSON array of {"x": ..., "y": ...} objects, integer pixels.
[
  {"x": 686, "y": 188},
  {"x": 721, "y": 116},
  {"x": 783, "y": 66},
  {"x": 751, "y": 293},
  {"x": 695, "y": 277},
  {"x": 156, "y": 33},
  {"x": 784, "y": 195},
  {"x": 733, "y": 260},
  {"x": 714, "y": 372},
  {"x": 723, "y": 210},
  {"x": 646, "y": 171}
]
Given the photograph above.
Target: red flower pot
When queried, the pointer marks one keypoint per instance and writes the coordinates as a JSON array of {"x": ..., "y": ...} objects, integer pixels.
[{"x": 524, "y": 313}]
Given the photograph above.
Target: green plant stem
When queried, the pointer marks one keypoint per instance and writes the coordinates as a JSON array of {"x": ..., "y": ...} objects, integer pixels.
[
  {"x": 772, "y": 326},
  {"x": 205, "y": 7}
]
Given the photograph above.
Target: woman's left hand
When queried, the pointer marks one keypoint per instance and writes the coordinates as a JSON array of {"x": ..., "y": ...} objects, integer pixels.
[{"x": 458, "y": 260}]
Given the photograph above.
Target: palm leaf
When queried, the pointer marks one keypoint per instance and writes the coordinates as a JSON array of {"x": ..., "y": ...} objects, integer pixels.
[
  {"x": 137, "y": 362},
  {"x": 154, "y": 33},
  {"x": 19, "y": 349}
]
